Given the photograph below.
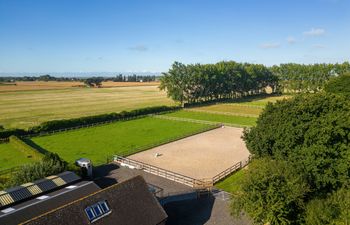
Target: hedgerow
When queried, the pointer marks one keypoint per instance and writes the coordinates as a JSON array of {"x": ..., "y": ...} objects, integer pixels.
[{"x": 87, "y": 120}]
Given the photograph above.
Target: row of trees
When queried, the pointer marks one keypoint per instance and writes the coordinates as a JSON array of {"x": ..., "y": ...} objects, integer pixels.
[
  {"x": 46, "y": 77},
  {"x": 339, "y": 85},
  {"x": 97, "y": 81},
  {"x": 224, "y": 80},
  {"x": 133, "y": 78},
  {"x": 299, "y": 78},
  {"x": 117, "y": 78},
  {"x": 301, "y": 172}
]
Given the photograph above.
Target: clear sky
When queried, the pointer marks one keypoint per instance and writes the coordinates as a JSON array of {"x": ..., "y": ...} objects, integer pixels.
[{"x": 149, "y": 35}]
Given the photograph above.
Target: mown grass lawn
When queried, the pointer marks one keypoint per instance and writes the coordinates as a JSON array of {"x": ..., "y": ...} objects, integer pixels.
[
  {"x": 231, "y": 108},
  {"x": 232, "y": 119},
  {"x": 12, "y": 157},
  {"x": 261, "y": 101},
  {"x": 232, "y": 183},
  {"x": 98, "y": 143}
]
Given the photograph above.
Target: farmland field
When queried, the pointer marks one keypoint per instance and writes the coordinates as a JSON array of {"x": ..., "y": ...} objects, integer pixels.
[
  {"x": 11, "y": 157},
  {"x": 23, "y": 109},
  {"x": 232, "y": 119},
  {"x": 98, "y": 143}
]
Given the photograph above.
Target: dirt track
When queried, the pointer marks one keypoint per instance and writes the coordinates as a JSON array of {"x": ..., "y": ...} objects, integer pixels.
[{"x": 200, "y": 156}]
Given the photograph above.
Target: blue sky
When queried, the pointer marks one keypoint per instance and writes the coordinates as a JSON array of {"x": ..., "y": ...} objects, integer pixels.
[{"x": 149, "y": 35}]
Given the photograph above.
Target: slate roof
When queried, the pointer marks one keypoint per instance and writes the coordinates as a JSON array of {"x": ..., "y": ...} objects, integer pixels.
[{"x": 130, "y": 202}]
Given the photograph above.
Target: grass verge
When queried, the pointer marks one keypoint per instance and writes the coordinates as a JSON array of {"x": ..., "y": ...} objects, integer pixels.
[{"x": 232, "y": 183}]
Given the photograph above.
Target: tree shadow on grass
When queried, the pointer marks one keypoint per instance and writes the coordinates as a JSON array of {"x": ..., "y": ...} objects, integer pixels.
[{"x": 35, "y": 146}]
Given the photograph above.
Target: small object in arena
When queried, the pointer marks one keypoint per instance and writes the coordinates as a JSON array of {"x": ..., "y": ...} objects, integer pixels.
[{"x": 157, "y": 155}]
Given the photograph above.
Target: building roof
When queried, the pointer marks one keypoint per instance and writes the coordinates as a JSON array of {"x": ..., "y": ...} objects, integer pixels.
[
  {"x": 130, "y": 203},
  {"x": 27, "y": 191},
  {"x": 43, "y": 203}
]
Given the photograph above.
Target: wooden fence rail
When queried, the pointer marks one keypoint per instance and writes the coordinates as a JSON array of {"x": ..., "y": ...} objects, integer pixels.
[
  {"x": 183, "y": 179},
  {"x": 189, "y": 181}
]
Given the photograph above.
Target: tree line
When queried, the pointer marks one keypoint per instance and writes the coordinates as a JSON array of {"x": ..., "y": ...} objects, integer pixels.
[
  {"x": 116, "y": 78},
  {"x": 133, "y": 78},
  {"x": 45, "y": 77},
  {"x": 194, "y": 83},
  {"x": 300, "y": 78},
  {"x": 224, "y": 80}
]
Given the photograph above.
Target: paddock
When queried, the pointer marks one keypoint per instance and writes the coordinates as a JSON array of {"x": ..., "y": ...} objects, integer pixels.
[{"x": 200, "y": 156}]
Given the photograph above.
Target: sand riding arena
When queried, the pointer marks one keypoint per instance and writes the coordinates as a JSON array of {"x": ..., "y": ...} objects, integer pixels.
[{"x": 206, "y": 157}]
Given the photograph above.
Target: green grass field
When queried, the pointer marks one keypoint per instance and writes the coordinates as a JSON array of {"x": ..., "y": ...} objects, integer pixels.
[
  {"x": 98, "y": 143},
  {"x": 231, "y": 183},
  {"x": 260, "y": 100},
  {"x": 11, "y": 157},
  {"x": 23, "y": 109},
  {"x": 230, "y": 109},
  {"x": 232, "y": 119}
]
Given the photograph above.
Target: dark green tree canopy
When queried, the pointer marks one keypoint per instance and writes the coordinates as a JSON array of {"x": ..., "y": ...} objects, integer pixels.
[
  {"x": 224, "y": 80},
  {"x": 312, "y": 131},
  {"x": 228, "y": 79},
  {"x": 300, "y": 78},
  {"x": 272, "y": 193},
  {"x": 94, "y": 81},
  {"x": 334, "y": 209},
  {"x": 339, "y": 85}
]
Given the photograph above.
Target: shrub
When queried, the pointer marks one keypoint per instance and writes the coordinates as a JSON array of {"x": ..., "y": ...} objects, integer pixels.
[
  {"x": 334, "y": 209},
  {"x": 51, "y": 164},
  {"x": 74, "y": 122}
]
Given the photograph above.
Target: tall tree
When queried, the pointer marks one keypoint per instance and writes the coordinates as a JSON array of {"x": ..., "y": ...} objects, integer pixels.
[{"x": 312, "y": 131}]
